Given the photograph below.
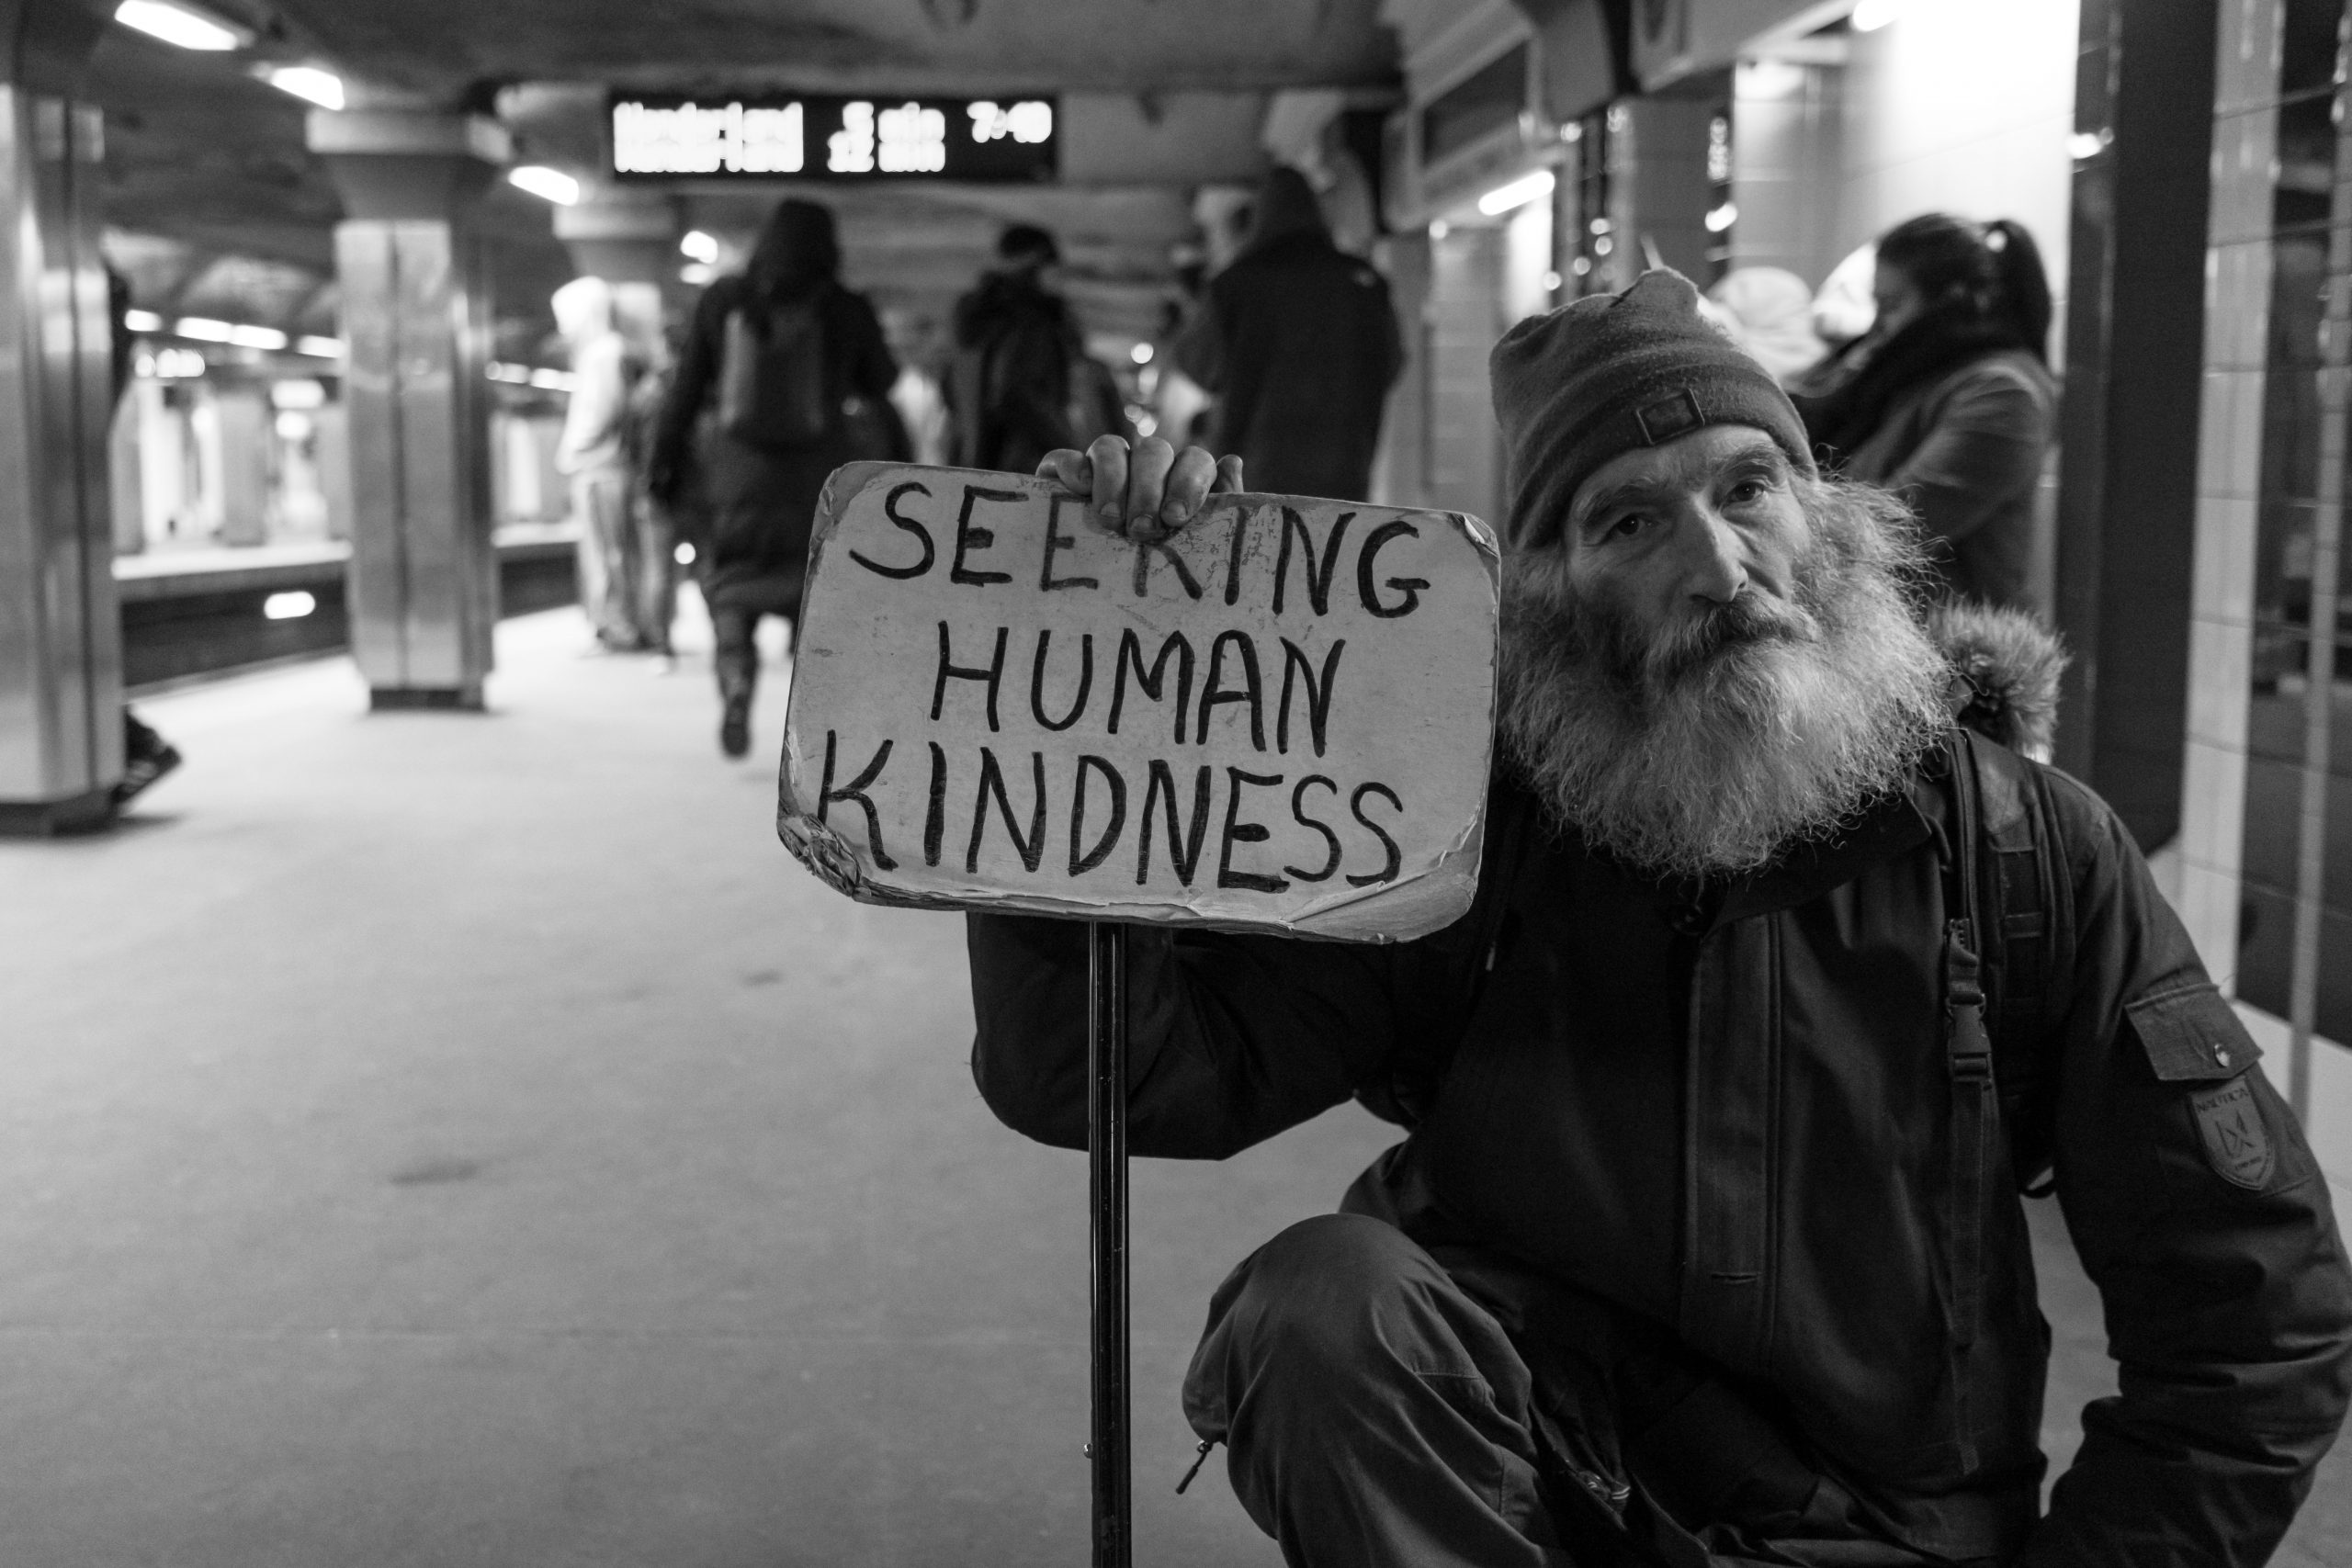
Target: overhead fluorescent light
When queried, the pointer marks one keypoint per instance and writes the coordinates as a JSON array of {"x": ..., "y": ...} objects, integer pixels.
[
  {"x": 699, "y": 246},
  {"x": 204, "y": 329},
  {"x": 1518, "y": 193},
  {"x": 1721, "y": 218},
  {"x": 320, "y": 347},
  {"x": 291, "y": 605},
  {"x": 552, "y": 380},
  {"x": 1872, "y": 15},
  {"x": 181, "y": 25},
  {"x": 141, "y": 322},
  {"x": 257, "y": 337},
  {"x": 309, "y": 82},
  {"x": 548, "y": 184}
]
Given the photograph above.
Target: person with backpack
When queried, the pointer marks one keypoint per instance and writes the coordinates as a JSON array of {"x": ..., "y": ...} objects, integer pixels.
[
  {"x": 1781, "y": 990},
  {"x": 800, "y": 378},
  {"x": 1008, "y": 383},
  {"x": 1948, "y": 400}
]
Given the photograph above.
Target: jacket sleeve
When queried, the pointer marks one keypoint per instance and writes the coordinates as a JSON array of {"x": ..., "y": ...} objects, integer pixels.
[
  {"x": 2204, "y": 1219},
  {"x": 690, "y": 387},
  {"x": 1983, "y": 450},
  {"x": 1231, "y": 1039}
]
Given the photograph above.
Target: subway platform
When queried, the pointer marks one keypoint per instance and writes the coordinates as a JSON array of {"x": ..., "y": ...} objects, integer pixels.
[{"x": 471, "y": 1139}]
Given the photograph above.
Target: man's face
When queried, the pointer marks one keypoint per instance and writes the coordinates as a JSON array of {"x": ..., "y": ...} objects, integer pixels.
[{"x": 1661, "y": 541}]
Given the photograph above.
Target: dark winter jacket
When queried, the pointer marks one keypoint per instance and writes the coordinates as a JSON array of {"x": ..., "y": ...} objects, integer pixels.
[
  {"x": 1009, "y": 381},
  {"x": 1733, "y": 1115},
  {"x": 1298, "y": 342},
  {"x": 1958, "y": 423}
]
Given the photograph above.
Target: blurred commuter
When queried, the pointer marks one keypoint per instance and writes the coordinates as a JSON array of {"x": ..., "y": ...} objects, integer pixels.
[
  {"x": 591, "y": 454},
  {"x": 800, "y": 377},
  {"x": 1769, "y": 311},
  {"x": 652, "y": 532},
  {"x": 1298, "y": 343},
  {"x": 1008, "y": 383},
  {"x": 1948, "y": 400},
  {"x": 1843, "y": 308},
  {"x": 918, "y": 394}
]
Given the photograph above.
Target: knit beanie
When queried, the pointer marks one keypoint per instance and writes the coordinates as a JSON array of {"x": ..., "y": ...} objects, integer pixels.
[{"x": 1601, "y": 376}]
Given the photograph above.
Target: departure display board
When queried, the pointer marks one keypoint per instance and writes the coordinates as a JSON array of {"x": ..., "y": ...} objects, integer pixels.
[{"x": 765, "y": 137}]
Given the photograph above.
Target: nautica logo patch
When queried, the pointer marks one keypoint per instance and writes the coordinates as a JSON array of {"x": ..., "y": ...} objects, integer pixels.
[{"x": 2237, "y": 1146}]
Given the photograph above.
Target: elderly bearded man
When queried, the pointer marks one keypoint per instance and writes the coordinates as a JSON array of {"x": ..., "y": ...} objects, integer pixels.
[{"x": 1706, "y": 1246}]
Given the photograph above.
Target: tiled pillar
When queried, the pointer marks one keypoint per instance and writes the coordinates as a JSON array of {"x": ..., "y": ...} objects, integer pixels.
[
  {"x": 622, "y": 236},
  {"x": 1787, "y": 165}
]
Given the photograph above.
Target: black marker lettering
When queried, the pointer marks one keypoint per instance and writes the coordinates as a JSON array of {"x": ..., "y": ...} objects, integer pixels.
[
  {"x": 855, "y": 790},
  {"x": 1038, "y": 681},
  {"x": 1250, "y": 692},
  {"x": 1184, "y": 856},
  {"x": 1143, "y": 569},
  {"x": 934, "y": 816},
  {"x": 1240, "y": 832},
  {"x": 1055, "y": 539},
  {"x": 1032, "y": 847},
  {"x": 1355, "y": 807},
  {"x": 890, "y": 510},
  {"x": 1298, "y": 811},
  {"x": 1410, "y": 586},
  {"x": 968, "y": 538},
  {"x": 1152, "y": 683},
  {"x": 993, "y": 675},
  {"x": 1079, "y": 865},
  {"x": 1233, "y": 554},
  {"x": 1318, "y": 696},
  {"x": 1318, "y": 579}
]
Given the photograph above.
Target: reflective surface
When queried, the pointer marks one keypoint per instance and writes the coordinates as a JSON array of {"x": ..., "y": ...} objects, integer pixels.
[
  {"x": 60, "y": 667},
  {"x": 423, "y": 584}
]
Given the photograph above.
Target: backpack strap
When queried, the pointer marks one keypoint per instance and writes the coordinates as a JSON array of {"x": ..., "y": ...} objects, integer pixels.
[{"x": 1968, "y": 1056}]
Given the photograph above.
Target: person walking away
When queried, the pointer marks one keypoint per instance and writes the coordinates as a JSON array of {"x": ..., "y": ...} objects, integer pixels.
[
  {"x": 1705, "y": 1241},
  {"x": 1009, "y": 381},
  {"x": 1948, "y": 400},
  {"x": 652, "y": 534},
  {"x": 590, "y": 452},
  {"x": 917, "y": 342},
  {"x": 798, "y": 370},
  {"x": 1298, "y": 343}
]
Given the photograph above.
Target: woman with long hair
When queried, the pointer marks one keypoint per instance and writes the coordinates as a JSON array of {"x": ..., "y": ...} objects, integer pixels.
[{"x": 1948, "y": 400}]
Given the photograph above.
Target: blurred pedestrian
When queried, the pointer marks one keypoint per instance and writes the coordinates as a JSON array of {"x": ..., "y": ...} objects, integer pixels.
[
  {"x": 919, "y": 346},
  {"x": 801, "y": 378},
  {"x": 1298, "y": 343},
  {"x": 652, "y": 532},
  {"x": 1770, "y": 312},
  {"x": 1948, "y": 400},
  {"x": 1008, "y": 383},
  {"x": 590, "y": 452}
]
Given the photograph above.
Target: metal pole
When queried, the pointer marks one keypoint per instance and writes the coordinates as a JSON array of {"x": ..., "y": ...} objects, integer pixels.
[{"x": 1106, "y": 1155}]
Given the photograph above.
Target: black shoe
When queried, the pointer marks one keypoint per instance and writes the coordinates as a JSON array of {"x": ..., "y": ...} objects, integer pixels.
[
  {"x": 144, "y": 769},
  {"x": 735, "y": 728}
]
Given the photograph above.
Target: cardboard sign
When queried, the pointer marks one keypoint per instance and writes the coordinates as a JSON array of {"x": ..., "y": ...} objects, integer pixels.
[{"x": 1278, "y": 719}]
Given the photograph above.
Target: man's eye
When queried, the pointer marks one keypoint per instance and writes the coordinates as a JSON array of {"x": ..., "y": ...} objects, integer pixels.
[
  {"x": 1747, "y": 489},
  {"x": 1626, "y": 527}
]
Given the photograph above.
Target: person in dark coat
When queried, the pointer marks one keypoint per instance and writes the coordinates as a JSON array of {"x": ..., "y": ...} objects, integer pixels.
[
  {"x": 761, "y": 488},
  {"x": 1009, "y": 379},
  {"x": 1948, "y": 400},
  {"x": 1706, "y": 1244},
  {"x": 1298, "y": 343}
]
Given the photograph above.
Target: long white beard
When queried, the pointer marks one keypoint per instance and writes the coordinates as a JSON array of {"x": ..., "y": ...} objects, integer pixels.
[{"x": 1719, "y": 748}]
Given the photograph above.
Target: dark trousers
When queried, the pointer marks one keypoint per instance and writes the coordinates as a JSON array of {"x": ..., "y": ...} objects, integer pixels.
[
  {"x": 734, "y": 630},
  {"x": 1379, "y": 1407}
]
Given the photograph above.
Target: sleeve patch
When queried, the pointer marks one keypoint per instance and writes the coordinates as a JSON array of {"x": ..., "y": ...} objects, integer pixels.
[
  {"x": 2237, "y": 1145},
  {"x": 2192, "y": 1034}
]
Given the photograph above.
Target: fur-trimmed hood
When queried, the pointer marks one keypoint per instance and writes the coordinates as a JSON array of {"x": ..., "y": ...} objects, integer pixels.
[{"x": 2005, "y": 668}]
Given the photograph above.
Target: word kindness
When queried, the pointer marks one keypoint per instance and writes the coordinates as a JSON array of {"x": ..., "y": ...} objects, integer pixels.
[{"x": 1279, "y": 718}]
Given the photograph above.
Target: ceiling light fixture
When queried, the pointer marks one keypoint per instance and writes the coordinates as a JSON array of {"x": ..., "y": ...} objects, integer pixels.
[
  {"x": 1518, "y": 193},
  {"x": 320, "y": 347},
  {"x": 1872, "y": 15},
  {"x": 548, "y": 184},
  {"x": 311, "y": 83},
  {"x": 180, "y": 26},
  {"x": 141, "y": 322},
  {"x": 699, "y": 246},
  {"x": 204, "y": 329}
]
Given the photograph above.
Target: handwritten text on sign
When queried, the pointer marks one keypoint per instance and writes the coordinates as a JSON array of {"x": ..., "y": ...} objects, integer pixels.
[{"x": 1279, "y": 718}]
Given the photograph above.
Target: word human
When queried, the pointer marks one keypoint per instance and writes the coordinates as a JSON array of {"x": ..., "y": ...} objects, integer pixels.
[{"x": 1278, "y": 716}]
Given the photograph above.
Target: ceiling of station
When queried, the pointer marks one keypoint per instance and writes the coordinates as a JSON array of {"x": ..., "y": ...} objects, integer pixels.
[{"x": 214, "y": 206}]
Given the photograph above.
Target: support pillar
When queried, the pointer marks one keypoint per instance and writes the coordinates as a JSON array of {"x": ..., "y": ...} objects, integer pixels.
[
  {"x": 424, "y": 577},
  {"x": 60, "y": 636}
]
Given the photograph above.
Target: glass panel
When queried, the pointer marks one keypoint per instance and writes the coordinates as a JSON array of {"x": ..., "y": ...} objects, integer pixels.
[{"x": 2310, "y": 45}]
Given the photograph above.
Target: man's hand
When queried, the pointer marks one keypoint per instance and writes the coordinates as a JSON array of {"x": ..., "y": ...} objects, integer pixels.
[{"x": 1145, "y": 494}]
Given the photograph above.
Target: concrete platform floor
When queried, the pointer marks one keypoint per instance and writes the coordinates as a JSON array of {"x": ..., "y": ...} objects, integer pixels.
[{"x": 471, "y": 1141}]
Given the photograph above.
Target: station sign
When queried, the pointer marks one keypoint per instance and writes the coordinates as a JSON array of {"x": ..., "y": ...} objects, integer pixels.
[
  {"x": 1280, "y": 718},
  {"x": 813, "y": 137}
]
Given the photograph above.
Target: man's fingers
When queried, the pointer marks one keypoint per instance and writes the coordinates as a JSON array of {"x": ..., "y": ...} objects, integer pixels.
[
  {"x": 1108, "y": 458},
  {"x": 1228, "y": 477},
  {"x": 1068, "y": 468},
  {"x": 1187, "y": 486},
  {"x": 1147, "y": 486}
]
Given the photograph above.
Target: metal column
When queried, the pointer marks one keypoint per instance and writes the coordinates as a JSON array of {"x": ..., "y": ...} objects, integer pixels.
[{"x": 60, "y": 639}]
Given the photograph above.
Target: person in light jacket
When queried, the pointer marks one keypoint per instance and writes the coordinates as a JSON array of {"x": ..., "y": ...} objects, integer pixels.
[{"x": 1948, "y": 400}]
